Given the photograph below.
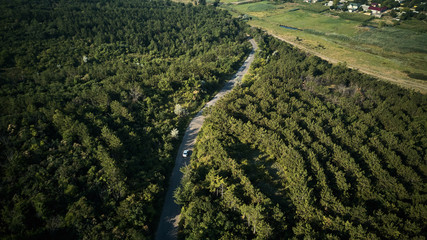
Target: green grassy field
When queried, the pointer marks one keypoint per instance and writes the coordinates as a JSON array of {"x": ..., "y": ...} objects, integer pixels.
[
  {"x": 390, "y": 53},
  {"x": 260, "y": 7}
]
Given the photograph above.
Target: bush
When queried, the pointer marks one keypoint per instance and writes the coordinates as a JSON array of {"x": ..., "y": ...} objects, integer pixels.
[{"x": 419, "y": 76}]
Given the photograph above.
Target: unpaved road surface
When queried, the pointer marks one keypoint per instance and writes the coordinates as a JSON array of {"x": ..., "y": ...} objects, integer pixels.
[
  {"x": 168, "y": 224},
  {"x": 417, "y": 85}
]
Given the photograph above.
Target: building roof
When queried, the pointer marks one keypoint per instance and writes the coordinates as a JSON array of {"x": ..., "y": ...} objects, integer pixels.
[{"x": 380, "y": 9}]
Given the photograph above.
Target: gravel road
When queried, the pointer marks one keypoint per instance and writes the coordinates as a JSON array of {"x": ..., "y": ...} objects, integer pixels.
[{"x": 168, "y": 224}]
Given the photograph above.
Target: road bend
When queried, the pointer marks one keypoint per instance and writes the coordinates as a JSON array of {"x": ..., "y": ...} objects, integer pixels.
[{"x": 168, "y": 224}]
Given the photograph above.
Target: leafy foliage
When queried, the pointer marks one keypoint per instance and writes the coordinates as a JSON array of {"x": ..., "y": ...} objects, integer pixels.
[
  {"x": 306, "y": 149},
  {"x": 88, "y": 90}
]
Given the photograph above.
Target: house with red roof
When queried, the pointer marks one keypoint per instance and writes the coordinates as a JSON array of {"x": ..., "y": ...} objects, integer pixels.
[{"x": 377, "y": 10}]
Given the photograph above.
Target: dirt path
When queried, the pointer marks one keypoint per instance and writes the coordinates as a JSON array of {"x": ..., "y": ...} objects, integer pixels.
[
  {"x": 420, "y": 86},
  {"x": 242, "y": 2},
  {"x": 168, "y": 224}
]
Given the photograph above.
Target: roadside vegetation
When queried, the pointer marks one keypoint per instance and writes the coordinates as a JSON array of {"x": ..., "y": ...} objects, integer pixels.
[
  {"x": 308, "y": 150},
  {"x": 94, "y": 98},
  {"x": 372, "y": 45}
]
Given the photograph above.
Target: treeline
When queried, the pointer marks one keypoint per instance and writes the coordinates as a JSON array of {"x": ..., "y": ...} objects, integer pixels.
[
  {"x": 308, "y": 150},
  {"x": 87, "y": 122}
]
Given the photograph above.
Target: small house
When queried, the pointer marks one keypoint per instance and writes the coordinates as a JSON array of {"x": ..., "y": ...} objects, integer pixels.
[
  {"x": 365, "y": 7},
  {"x": 352, "y": 7},
  {"x": 377, "y": 11}
]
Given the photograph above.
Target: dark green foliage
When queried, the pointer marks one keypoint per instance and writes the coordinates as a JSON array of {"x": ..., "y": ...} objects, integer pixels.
[
  {"x": 418, "y": 76},
  {"x": 88, "y": 90},
  {"x": 308, "y": 150}
]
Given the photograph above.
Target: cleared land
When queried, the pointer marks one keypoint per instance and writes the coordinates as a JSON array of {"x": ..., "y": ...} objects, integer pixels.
[{"x": 395, "y": 54}]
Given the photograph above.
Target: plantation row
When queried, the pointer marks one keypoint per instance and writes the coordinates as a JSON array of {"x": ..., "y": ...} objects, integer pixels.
[{"x": 307, "y": 149}]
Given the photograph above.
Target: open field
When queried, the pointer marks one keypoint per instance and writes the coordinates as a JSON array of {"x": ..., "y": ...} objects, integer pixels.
[{"x": 391, "y": 53}]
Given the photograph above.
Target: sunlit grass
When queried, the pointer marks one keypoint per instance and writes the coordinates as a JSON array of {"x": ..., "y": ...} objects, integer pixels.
[{"x": 389, "y": 52}]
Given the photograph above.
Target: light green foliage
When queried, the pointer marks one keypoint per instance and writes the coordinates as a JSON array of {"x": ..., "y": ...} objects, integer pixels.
[
  {"x": 119, "y": 111},
  {"x": 180, "y": 111},
  {"x": 112, "y": 140},
  {"x": 174, "y": 133}
]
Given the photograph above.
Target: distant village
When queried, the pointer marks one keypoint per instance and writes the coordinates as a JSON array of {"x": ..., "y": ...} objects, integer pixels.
[{"x": 397, "y": 8}]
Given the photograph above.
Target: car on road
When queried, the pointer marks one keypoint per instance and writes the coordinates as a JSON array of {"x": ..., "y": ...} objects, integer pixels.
[{"x": 186, "y": 153}]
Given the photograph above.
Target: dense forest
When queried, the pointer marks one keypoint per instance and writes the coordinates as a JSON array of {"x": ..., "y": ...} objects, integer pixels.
[
  {"x": 94, "y": 96},
  {"x": 308, "y": 150}
]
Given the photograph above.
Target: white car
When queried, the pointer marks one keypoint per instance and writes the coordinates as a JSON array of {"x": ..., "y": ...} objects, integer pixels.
[{"x": 186, "y": 153}]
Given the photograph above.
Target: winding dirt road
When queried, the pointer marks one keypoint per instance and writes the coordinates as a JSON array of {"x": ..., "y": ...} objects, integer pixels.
[{"x": 168, "y": 224}]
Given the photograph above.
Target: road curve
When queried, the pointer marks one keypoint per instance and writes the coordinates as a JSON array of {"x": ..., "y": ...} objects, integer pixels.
[{"x": 168, "y": 224}]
